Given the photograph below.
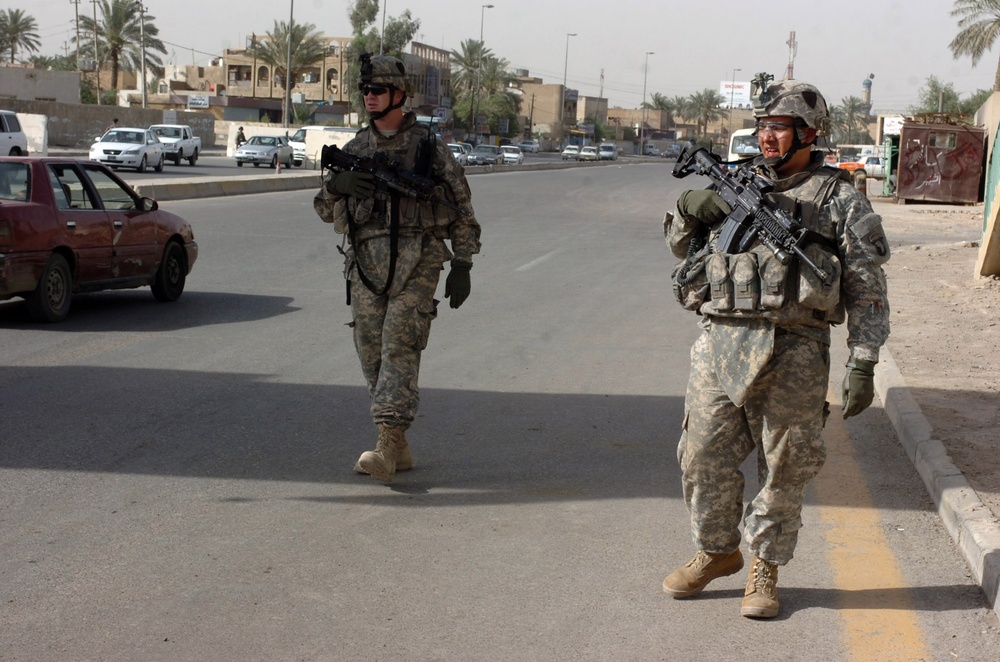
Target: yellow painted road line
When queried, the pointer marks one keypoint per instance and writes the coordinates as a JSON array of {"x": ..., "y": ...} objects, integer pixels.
[{"x": 875, "y": 604}]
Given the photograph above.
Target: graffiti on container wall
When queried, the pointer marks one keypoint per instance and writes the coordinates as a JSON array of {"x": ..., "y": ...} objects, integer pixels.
[{"x": 940, "y": 163}]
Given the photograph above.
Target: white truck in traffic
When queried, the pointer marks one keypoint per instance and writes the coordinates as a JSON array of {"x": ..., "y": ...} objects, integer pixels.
[{"x": 179, "y": 142}]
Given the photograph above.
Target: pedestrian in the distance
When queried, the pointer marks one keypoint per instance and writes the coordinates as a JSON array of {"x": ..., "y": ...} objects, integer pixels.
[{"x": 240, "y": 138}]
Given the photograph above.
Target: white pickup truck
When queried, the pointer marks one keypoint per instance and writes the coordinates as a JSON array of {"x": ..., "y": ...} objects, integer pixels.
[
  {"x": 874, "y": 166},
  {"x": 179, "y": 142}
]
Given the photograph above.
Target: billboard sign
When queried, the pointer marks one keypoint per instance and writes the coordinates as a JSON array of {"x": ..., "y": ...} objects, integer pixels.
[{"x": 735, "y": 92}]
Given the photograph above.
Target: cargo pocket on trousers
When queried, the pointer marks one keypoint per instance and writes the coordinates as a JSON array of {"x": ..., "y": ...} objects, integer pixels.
[{"x": 425, "y": 315}]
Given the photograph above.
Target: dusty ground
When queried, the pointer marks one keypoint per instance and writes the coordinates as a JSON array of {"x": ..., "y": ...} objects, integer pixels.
[{"x": 946, "y": 330}]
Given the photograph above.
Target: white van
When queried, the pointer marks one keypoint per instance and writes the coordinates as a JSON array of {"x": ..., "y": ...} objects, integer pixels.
[
  {"x": 743, "y": 145},
  {"x": 339, "y": 135},
  {"x": 13, "y": 141}
]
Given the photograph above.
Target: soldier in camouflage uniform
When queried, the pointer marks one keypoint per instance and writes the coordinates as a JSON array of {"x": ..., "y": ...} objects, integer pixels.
[
  {"x": 396, "y": 254},
  {"x": 759, "y": 370}
]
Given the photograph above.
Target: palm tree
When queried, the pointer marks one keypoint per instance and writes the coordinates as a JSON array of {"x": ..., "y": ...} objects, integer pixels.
[
  {"x": 705, "y": 108},
  {"x": 465, "y": 64},
  {"x": 53, "y": 62},
  {"x": 664, "y": 104},
  {"x": 680, "y": 107},
  {"x": 18, "y": 30},
  {"x": 121, "y": 34},
  {"x": 979, "y": 27},
  {"x": 855, "y": 118},
  {"x": 307, "y": 45}
]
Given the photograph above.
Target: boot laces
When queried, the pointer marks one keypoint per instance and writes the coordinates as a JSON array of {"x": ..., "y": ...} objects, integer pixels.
[{"x": 764, "y": 576}]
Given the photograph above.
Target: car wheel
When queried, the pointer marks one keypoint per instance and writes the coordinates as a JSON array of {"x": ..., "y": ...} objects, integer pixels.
[
  {"x": 142, "y": 165},
  {"x": 274, "y": 161},
  {"x": 256, "y": 165},
  {"x": 194, "y": 158},
  {"x": 159, "y": 165},
  {"x": 15, "y": 151},
  {"x": 51, "y": 298},
  {"x": 239, "y": 164},
  {"x": 178, "y": 157},
  {"x": 168, "y": 283},
  {"x": 288, "y": 163}
]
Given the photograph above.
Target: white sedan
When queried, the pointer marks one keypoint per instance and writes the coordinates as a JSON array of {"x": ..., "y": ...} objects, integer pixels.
[
  {"x": 459, "y": 151},
  {"x": 512, "y": 154},
  {"x": 129, "y": 148}
]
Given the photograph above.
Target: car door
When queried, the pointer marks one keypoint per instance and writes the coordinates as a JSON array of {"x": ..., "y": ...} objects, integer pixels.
[
  {"x": 134, "y": 250},
  {"x": 83, "y": 224}
]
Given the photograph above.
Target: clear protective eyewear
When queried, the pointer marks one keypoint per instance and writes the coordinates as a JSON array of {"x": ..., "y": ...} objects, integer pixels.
[{"x": 774, "y": 128}]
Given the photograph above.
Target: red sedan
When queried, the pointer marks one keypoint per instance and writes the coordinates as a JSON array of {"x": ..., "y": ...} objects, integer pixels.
[{"x": 71, "y": 226}]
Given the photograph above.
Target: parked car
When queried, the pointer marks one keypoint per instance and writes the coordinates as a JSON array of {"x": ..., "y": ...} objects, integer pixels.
[
  {"x": 265, "y": 150},
  {"x": 13, "y": 140},
  {"x": 485, "y": 155},
  {"x": 512, "y": 154},
  {"x": 69, "y": 226},
  {"x": 570, "y": 153},
  {"x": 129, "y": 148},
  {"x": 529, "y": 146},
  {"x": 332, "y": 135},
  {"x": 608, "y": 152},
  {"x": 650, "y": 150},
  {"x": 460, "y": 154},
  {"x": 588, "y": 153},
  {"x": 673, "y": 153}
]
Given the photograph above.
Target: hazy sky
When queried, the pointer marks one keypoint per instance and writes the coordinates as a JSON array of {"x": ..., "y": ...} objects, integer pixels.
[{"x": 696, "y": 45}]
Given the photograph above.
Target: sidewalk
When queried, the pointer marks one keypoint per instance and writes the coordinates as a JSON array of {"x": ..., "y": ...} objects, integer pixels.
[{"x": 946, "y": 409}]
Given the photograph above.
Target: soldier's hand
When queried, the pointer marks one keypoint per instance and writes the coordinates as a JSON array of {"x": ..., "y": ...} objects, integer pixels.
[
  {"x": 859, "y": 387},
  {"x": 458, "y": 285},
  {"x": 703, "y": 205},
  {"x": 354, "y": 184}
]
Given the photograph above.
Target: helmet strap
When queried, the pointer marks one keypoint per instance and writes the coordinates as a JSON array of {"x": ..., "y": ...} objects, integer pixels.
[{"x": 393, "y": 106}]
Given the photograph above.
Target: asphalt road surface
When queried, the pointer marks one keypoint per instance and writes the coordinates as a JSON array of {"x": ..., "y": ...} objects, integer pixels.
[{"x": 176, "y": 479}]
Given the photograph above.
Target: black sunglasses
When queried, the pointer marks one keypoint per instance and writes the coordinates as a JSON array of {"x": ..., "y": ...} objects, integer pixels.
[{"x": 376, "y": 90}]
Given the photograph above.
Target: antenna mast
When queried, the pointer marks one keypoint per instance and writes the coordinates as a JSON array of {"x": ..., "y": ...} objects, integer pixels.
[{"x": 793, "y": 47}]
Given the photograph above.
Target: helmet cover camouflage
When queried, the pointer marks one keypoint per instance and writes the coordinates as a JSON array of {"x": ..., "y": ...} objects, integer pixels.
[
  {"x": 790, "y": 98},
  {"x": 384, "y": 70}
]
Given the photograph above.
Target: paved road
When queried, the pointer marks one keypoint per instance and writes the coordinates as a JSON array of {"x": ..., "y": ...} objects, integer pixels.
[{"x": 176, "y": 481}]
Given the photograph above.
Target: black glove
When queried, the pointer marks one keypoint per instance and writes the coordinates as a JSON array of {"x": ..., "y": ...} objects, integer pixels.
[
  {"x": 458, "y": 284},
  {"x": 354, "y": 184},
  {"x": 859, "y": 387},
  {"x": 704, "y": 205}
]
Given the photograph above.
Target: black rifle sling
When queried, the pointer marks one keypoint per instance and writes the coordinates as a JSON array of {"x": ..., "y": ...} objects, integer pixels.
[{"x": 393, "y": 248}]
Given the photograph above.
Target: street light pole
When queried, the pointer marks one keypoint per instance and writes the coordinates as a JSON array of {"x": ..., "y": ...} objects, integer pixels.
[
  {"x": 562, "y": 101},
  {"x": 732, "y": 91},
  {"x": 142, "y": 46},
  {"x": 479, "y": 72},
  {"x": 288, "y": 62},
  {"x": 642, "y": 122}
]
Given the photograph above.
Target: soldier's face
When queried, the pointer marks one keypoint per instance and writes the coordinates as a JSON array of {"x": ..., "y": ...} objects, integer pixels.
[{"x": 378, "y": 97}]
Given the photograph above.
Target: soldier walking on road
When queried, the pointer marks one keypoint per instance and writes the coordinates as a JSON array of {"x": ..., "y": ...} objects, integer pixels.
[
  {"x": 396, "y": 254},
  {"x": 759, "y": 370}
]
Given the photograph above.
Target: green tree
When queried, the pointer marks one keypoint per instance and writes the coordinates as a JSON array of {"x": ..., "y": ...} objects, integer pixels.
[
  {"x": 680, "y": 108},
  {"x": 979, "y": 26},
  {"x": 18, "y": 30},
  {"x": 935, "y": 96},
  {"x": 705, "y": 108},
  {"x": 659, "y": 102},
  {"x": 53, "y": 62},
  {"x": 121, "y": 32},
  {"x": 849, "y": 122},
  {"x": 307, "y": 48}
]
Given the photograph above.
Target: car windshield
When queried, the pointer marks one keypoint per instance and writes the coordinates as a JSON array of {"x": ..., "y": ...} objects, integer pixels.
[
  {"x": 265, "y": 141},
  {"x": 167, "y": 132},
  {"x": 512, "y": 150},
  {"x": 572, "y": 148},
  {"x": 14, "y": 181},
  {"x": 485, "y": 149},
  {"x": 137, "y": 137},
  {"x": 299, "y": 136}
]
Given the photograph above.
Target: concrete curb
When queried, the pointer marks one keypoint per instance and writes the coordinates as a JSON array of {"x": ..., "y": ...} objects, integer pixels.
[{"x": 971, "y": 524}]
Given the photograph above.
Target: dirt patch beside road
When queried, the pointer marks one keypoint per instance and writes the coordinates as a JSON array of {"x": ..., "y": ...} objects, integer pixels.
[{"x": 945, "y": 332}]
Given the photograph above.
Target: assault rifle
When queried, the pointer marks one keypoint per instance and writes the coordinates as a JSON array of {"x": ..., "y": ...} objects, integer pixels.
[
  {"x": 388, "y": 176},
  {"x": 751, "y": 218}
]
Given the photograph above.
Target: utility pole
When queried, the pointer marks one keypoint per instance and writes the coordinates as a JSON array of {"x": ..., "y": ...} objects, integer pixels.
[
  {"x": 97, "y": 58},
  {"x": 288, "y": 63},
  {"x": 76, "y": 12},
  {"x": 479, "y": 72},
  {"x": 642, "y": 121},
  {"x": 732, "y": 93},
  {"x": 142, "y": 46}
]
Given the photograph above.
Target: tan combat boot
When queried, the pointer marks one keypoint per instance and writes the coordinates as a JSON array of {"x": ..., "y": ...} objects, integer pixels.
[
  {"x": 404, "y": 457},
  {"x": 380, "y": 463},
  {"x": 704, "y": 567},
  {"x": 761, "y": 597}
]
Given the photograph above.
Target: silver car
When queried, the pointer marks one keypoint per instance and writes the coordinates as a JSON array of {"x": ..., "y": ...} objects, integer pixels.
[
  {"x": 265, "y": 150},
  {"x": 129, "y": 148}
]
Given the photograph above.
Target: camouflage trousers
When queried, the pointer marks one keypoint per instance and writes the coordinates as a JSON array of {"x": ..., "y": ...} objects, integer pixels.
[
  {"x": 782, "y": 419},
  {"x": 390, "y": 332}
]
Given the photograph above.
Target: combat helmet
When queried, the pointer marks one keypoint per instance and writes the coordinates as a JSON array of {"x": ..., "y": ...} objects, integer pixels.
[
  {"x": 791, "y": 98},
  {"x": 384, "y": 70}
]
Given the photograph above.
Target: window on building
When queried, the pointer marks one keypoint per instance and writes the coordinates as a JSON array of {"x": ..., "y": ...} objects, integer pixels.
[{"x": 943, "y": 139}]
